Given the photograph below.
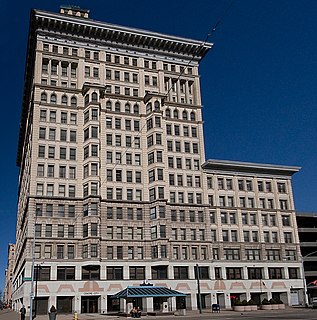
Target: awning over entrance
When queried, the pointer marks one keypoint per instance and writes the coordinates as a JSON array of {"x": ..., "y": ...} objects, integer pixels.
[{"x": 147, "y": 291}]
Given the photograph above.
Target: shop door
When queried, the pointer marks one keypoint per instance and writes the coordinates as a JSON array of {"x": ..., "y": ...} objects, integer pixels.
[
  {"x": 64, "y": 304},
  {"x": 89, "y": 304},
  {"x": 41, "y": 305}
]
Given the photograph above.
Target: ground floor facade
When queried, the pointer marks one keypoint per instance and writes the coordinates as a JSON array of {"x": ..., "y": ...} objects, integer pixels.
[{"x": 93, "y": 294}]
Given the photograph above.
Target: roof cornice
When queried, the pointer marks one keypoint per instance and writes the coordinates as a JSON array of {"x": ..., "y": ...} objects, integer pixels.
[
  {"x": 107, "y": 32},
  {"x": 249, "y": 167}
]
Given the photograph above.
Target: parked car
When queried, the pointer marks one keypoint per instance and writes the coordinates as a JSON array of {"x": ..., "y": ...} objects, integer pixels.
[{"x": 314, "y": 302}]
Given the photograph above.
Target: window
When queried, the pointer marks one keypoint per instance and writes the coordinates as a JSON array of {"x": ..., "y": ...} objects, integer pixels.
[
  {"x": 253, "y": 254},
  {"x": 233, "y": 273},
  {"x": 60, "y": 251},
  {"x": 180, "y": 272},
  {"x": 70, "y": 251},
  {"x": 65, "y": 273},
  {"x": 232, "y": 254},
  {"x": 159, "y": 272},
  {"x": 273, "y": 254},
  {"x": 90, "y": 272},
  {"x": 137, "y": 273},
  {"x": 115, "y": 273},
  {"x": 283, "y": 205},
  {"x": 275, "y": 273},
  {"x": 281, "y": 187},
  {"x": 286, "y": 221},
  {"x": 44, "y": 273},
  {"x": 254, "y": 273},
  {"x": 288, "y": 237},
  {"x": 293, "y": 273}
]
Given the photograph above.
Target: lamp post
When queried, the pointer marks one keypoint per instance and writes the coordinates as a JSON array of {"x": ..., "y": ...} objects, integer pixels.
[{"x": 198, "y": 287}]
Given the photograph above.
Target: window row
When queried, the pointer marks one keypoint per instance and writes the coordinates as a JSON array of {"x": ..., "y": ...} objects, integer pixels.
[
  {"x": 191, "y": 197},
  {"x": 51, "y": 190},
  {"x": 92, "y": 272},
  {"x": 61, "y": 83},
  {"x": 53, "y": 210},
  {"x": 62, "y": 171},
  {"x": 119, "y": 175},
  {"x": 117, "y": 157},
  {"x": 64, "y": 117},
  {"x": 56, "y": 67},
  {"x": 116, "y": 123},
  {"x": 118, "y": 90},
  {"x": 64, "y": 134},
  {"x": 117, "y": 107},
  {"x": 59, "y": 231},
  {"x": 248, "y": 202},
  {"x": 117, "y": 59},
  {"x": 117, "y": 140},
  {"x": 50, "y": 152},
  {"x": 119, "y": 213},
  {"x": 175, "y": 130},
  {"x": 179, "y": 163},
  {"x": 224, "y": 183},
  {"x": 64, "y": 100},
  {"x": 129, "y": 194},
  {"x": 179, "y": 180},
  {"x": 176, "y": 114}
]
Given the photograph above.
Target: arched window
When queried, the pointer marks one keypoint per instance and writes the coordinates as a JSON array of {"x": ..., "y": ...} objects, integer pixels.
[
  {"x": 117, "y": 107},
  {"x": 53, "y": 98},
  {"x": 73, "y": 102},
  {"x": 127, "y": 108},
  {"x": 175, "y": 114},
  {"x": 185, "y": 115},
  {"x": 109, "y": 106},
  {"x": 136, "y": 109},
  {"x": 86, "y": 99},
  {"x": 193, "y": 116},
  {"x": 168, "y": 113},
  {"x": 64, "y": 100},
  {"x": 149, "y": 107},
  {"x": 156, "y": 106},
  {"x": 43, "y": 97},
  {"x": 94, "y": 97}
]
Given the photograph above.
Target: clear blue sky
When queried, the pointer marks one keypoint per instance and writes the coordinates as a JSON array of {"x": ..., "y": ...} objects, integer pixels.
[{"x": 258, "y": 82}]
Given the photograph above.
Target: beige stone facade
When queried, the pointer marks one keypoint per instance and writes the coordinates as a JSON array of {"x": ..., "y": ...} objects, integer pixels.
[
  {"x": 112, "y": 180},
  {"x": 7, "y": 293}
]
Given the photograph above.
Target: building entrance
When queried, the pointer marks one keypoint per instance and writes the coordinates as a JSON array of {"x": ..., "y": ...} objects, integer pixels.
[{"x": 89, "y": 304}]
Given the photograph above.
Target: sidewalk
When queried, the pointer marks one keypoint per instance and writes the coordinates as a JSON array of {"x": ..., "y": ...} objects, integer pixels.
[{"x": 12, "y": 315}]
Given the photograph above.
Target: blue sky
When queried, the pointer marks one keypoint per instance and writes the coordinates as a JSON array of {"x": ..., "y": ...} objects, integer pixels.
[{"x": 258, "y": 82}]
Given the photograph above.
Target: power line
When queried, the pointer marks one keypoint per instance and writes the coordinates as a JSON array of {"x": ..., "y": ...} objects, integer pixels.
[{"x": 196, "y": 52}]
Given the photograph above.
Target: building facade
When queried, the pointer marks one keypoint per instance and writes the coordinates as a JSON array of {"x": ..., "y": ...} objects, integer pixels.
[
  {"x": 111, "y": 180},
  {"x": 307, "y": 232},
  {"x": 7, "y": 293}
]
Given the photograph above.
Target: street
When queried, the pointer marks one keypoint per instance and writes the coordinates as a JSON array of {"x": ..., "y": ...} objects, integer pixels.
[{"x": 287, "y": 314}]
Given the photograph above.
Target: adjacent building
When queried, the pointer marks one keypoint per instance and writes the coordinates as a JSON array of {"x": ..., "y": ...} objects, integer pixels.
[
  {"x": 114, "y": 183},
  {"x": 7, "y": 293},
  {"x": 307, "y": 232}
]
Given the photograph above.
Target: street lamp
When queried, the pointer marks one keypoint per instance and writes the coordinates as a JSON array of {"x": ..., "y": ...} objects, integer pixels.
[{"x": 198, "y": 287}]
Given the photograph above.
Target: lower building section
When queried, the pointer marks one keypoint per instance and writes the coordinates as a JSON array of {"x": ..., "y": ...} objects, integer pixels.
[{"x": 93, "y": 292}]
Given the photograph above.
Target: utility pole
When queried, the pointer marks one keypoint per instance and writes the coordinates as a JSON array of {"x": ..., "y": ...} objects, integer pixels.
[{"x": 198, "y": 286}]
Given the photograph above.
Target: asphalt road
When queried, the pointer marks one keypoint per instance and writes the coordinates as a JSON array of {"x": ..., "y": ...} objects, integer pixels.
[{"x": 288, "y": 314}]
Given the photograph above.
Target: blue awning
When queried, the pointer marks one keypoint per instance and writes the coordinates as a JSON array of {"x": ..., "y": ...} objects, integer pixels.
[{"x": 147, "y": 291}]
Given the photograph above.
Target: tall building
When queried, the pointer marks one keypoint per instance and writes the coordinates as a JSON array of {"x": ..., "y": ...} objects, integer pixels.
[
  {"x": 111, "y": 180},
  {"x": 7, "y": 293}
]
